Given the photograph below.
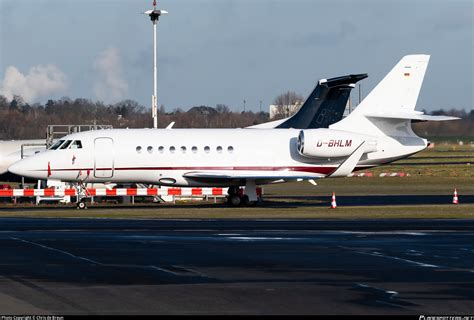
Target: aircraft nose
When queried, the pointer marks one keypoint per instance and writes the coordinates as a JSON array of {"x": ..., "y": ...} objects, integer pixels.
[
  {"x": 28, "y": 168},
  {"x": 17, "y": 168}
]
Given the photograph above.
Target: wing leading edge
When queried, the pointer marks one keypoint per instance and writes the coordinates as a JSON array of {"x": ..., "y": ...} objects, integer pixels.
[{"x": 242, "y": 176}]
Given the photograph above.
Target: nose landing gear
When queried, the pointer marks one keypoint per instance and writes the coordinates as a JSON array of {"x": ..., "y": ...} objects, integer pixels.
[
  {"x": 82, "y": 195},
  {"x": 81, "y": 205}
]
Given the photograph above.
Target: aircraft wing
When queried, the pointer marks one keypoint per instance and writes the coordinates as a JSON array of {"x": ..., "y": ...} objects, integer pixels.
[{"x": 241, "y": 176}]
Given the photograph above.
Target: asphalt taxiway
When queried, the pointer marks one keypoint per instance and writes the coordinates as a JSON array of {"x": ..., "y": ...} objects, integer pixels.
[{"x": 114, "y": 266}]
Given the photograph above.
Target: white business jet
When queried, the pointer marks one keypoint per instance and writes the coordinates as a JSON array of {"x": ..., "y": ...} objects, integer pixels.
[
  {"x": 377, "y": 132},
  {"x": 324, "y": 106}
]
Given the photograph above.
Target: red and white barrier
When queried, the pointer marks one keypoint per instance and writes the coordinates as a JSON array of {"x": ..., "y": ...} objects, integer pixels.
[
  {"x": 52, "y": 192},
  {"x": 383, "y": 174},
  {"x": 394, "y": 174},
  {"x": 361, "y": 174}
]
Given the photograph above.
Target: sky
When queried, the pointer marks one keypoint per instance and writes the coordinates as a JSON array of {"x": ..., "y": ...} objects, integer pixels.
[{"x": 227, "y": 51}]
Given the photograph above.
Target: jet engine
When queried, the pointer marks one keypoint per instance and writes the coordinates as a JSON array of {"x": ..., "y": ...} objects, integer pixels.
[{"x": 327, "y": 143}]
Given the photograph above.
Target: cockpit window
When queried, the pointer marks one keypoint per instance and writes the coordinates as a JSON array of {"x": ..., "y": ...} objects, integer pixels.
[
  {"x": 66, "y": 144},
  {"x": 76, "y": 144},
  {"x": 56, "y": 145}
]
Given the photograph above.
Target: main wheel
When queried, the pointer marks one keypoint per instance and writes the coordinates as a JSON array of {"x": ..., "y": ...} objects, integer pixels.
[{"x": 234, "y": 200}]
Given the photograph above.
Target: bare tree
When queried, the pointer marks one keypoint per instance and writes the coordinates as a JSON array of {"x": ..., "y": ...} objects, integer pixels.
[{"x": 287, "y": 104}]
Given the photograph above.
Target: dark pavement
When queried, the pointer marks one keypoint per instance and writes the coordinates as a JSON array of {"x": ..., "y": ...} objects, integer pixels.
[{"x": 101, "y": 266}]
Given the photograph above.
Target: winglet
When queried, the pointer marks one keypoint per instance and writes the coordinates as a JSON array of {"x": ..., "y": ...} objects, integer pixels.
[{"x": 325, "y": 105}]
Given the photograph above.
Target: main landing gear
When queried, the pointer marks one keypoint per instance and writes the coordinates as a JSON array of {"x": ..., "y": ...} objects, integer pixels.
[{"x": 236, "y": 196}]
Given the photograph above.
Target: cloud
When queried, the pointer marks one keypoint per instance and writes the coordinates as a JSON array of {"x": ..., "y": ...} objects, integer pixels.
[
  {"x": 110, "y": 85},
  {"x": 41, "y": 80}
]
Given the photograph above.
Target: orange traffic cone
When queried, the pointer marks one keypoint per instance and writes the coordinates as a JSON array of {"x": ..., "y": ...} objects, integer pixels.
[
  {"x": 333, "y": 201},
  {"x": 455, "y": 197}
]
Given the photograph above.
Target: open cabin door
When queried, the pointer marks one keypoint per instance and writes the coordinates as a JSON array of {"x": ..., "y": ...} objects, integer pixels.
[{"x": 103, "y": 158}]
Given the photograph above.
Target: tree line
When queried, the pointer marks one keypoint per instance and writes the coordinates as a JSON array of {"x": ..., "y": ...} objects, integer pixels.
[{"x": 20, "y": 120}]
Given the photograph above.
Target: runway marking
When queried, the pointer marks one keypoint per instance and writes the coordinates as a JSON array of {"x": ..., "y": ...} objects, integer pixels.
[
  {"x": 407, "y": 233},
  {"x": 152, "y": 267},
  {"x": 391, "y": 294},
  {"x": 412, "y": 252},
  {"x": 384, "y": 296},
  {"x": 163, "y": 270},
  {"x": 186, "y": 271},
  {"x": 258, "y": 238},
  {"x": 57, "y": 250},
  {"x": 421, "y": 264}
]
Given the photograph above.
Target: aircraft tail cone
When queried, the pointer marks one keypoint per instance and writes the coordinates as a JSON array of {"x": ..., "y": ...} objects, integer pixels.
[
  {"x": 455, "y": 197},
  {"x": 333, "y": 201}
]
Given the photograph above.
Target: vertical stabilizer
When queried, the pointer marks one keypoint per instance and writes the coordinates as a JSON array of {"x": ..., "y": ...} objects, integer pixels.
[
  {"x": 399, "y": 90},
  {"x": 390, "y": 106}
]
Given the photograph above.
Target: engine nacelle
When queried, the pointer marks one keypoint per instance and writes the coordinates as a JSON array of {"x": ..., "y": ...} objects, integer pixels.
[{"x": 328, "y": 143}]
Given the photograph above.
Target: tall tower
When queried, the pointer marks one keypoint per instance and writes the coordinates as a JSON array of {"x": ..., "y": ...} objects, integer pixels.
[{"x": 154, "y": 16}]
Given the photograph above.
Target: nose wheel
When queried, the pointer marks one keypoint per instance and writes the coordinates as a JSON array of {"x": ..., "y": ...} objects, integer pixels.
[{"x": 81, "y": 205}]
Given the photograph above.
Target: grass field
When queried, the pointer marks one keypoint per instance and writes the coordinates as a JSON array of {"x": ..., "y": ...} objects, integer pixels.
[
  {"x": 200, "y": 211},
  {"x": 445, "y": 160},
  {"x": 303, "y": 200}
]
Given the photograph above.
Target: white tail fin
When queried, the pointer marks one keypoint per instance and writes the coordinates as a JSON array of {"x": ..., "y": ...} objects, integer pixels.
[
  {"x": 388, "y": 108},
  {"x": 399, "y": 90}
]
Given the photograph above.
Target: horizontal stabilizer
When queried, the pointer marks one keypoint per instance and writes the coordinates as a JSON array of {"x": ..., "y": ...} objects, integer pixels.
[{"x": 411, "y": 116}]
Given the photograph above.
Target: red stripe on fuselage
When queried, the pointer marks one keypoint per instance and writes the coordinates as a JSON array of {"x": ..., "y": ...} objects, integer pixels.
[{"x": 321, "y": 170}]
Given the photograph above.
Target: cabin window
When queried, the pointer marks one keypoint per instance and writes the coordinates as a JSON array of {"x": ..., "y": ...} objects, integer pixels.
[
  {"x": 56, "y": 144},
  {"x": 66, "y": 144},
  {"x": 149, "y": 149},
  {"x": 139, "y": 149},
  {"x": 161, "y": 149},
  {"x": 194, "y": 149},
  {"x": 219, "y": 149},
  {"x": 207, "y": 149},
  {"x": 183, "y": 149},
  {"x": 230, "y": 149},
  {"x": 172, "y": 149},
  {"x": 76, "y": 145}
]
